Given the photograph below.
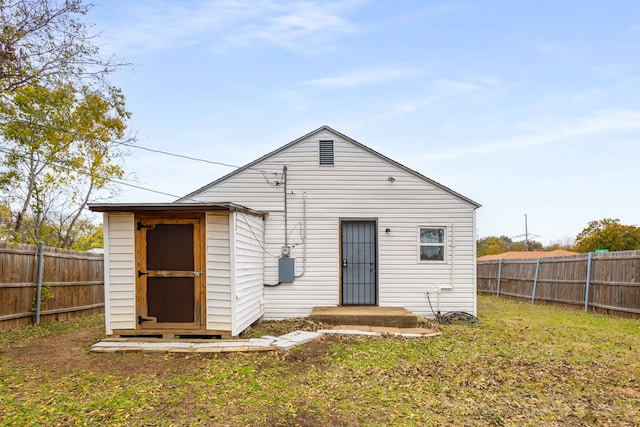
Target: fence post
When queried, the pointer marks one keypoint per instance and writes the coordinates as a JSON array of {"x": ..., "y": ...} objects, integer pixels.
[
  {"x": 535, "y": 282},
  {"x": 499, "y": 275},
  {"x": 39, "y": 283},
  {"x": 588, "y": 282}
]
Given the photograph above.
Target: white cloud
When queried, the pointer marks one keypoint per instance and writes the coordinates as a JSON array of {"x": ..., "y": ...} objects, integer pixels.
[
  {"x": 367, "y": 76},
  {"x": 439, "y": 90},
  {"x": 605, "y": 121},
  {"x": 430, "y": 11},
  {"x": 297, "y": 25},
  {"x": 456, "y": 87}
]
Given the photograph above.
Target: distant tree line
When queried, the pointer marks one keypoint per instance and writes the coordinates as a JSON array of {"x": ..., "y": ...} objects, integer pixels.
[{"x": 606, "y": 234}]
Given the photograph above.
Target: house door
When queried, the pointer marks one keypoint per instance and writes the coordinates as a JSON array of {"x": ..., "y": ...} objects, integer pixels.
[
  {"x": 359, "y": 262},
  {"x": 169, "y": 268}
]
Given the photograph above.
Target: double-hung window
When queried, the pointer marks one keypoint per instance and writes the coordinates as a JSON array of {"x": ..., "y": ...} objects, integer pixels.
[{"x": 432, "y": 243}]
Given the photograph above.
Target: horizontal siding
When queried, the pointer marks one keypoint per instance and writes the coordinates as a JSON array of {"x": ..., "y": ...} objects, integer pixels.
[
  {"x": 121, "y": 280},
  {"x": 356, "y": 187},
  {"x": 248, "y": 270},
  {"x": 218, "y": 272}
]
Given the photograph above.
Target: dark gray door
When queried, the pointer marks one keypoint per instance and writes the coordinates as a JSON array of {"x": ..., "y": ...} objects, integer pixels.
[{"x": 359, "y": 266}]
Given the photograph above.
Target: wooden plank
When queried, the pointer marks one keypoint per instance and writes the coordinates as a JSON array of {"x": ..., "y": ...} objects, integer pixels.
[
  {"x": 16, "y": 316},
  {"x": 71, "y": 309},
  {"x": 73, "y": 283}
]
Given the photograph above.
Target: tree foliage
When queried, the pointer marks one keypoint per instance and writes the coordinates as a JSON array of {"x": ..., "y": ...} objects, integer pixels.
[
  {"x": 61, "y": 123},
  {"x": 45, "y": 42},
  {"x": 493, "y": 245},
  {"x": 608, "y": 234},
  {"x": 60, "y": 148}
]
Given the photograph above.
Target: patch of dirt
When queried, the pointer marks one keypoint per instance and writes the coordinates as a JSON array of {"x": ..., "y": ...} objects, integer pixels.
[
  {"x": 58, "y": 352},
  {"x": 71, "y": 351}
]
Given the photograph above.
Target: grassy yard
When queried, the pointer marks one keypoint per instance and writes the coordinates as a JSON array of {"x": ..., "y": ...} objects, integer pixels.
[{"x": 522, "y": 365}]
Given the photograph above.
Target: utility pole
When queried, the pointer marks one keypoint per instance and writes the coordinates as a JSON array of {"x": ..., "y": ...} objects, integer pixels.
[{"x": 526, "y": 234}]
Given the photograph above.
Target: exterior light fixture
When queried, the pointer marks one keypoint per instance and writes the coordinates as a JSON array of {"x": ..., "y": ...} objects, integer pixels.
[
  {"x": 388, "y": 231},
  {"x": 391, "y": 179}
]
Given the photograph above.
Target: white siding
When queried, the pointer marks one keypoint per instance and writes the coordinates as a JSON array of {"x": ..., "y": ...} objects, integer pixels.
[
  {"x": 120, "y": 278},
  {"x": 218, "y": 272},
  {"x": 356, "y": 187},
  {"x": 247, "y": 270}
]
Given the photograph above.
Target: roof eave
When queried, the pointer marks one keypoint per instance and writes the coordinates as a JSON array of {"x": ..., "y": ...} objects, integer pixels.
[{"x": 173, "y": 207}]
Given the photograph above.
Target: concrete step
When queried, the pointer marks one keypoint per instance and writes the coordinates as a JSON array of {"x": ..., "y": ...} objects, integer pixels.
[{"x": 397, "y": 317}]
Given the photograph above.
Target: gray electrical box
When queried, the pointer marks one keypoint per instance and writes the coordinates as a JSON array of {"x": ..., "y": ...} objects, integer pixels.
[{"x": 286, "y": 270}]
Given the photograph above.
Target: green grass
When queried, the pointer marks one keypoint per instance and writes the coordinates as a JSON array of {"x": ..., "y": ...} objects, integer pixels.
[{"x": 522, "y": 365}]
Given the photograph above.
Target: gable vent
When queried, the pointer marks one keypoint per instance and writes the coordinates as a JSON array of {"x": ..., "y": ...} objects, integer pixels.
[{"x": 326, "y": 153}]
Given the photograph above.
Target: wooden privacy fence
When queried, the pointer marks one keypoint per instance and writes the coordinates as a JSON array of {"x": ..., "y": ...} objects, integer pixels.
[
  {"x": 607, "y": 282},
  {"x": 72, "y": 284}
]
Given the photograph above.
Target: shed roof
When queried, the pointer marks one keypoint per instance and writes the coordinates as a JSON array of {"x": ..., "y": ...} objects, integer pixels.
[
  {"x": 173, "y": 207},
  {"x": 345, "y": 138}
]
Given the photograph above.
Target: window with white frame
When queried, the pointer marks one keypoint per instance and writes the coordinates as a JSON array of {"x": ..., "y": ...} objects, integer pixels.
[{"x": 432, "y": 243}]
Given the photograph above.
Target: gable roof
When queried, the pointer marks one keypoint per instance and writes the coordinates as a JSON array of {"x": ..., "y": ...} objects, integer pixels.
[{"x": 326, "y": 128}]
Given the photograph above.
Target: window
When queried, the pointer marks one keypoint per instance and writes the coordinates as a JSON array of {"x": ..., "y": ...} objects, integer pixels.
[
  {"x": 326, "y": 153},
  {"x": 432, "y": 243}
]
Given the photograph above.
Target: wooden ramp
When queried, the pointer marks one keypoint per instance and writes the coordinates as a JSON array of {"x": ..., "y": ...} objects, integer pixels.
[{"x": 397, "y": 317}]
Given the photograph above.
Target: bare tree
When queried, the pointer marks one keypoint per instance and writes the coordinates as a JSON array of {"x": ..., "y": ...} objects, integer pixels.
[{"x": 45, "y": 41}]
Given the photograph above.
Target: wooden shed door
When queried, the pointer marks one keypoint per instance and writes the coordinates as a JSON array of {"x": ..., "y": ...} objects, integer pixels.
[
  {"x": 169, "y": 273},
  {"x": 359, "y": 262}
]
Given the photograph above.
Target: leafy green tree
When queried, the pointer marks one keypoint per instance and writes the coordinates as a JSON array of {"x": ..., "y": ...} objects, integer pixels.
[
  {"x": 61, "y": 122},
  {"x": 493, "y": 245},
  {"x": 522, "y": 246},
  {"x": 560, "y": 245},
  {"x": 608, "y": 234},
  {"x": 83, "y": 236},
  {"x": 61, "y": 147}
]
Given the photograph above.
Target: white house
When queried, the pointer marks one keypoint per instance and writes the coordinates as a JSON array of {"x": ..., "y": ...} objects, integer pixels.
[{"x": 321, "y": 221}]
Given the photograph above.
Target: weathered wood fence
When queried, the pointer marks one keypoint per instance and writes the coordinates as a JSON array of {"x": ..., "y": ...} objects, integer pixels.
[
  {"x": 72, "y": 284},
  {"x": 607, "y": 282}
]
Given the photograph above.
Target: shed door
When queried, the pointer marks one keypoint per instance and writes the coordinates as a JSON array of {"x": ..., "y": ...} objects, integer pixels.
[
  {"x": 169, "y": 273},
  {"x": 359, "y": 265}
]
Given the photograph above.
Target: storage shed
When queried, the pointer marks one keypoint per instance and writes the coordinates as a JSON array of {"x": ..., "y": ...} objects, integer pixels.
[
  {"x": 182, "y": 268},
  {"x": 322, "y": 221}
]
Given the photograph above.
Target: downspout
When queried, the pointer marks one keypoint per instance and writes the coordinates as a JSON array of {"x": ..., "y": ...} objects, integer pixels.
[{"x": 304, "y": 235}]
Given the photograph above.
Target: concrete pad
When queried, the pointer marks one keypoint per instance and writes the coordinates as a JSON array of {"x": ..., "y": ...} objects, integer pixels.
[
  {"x": 182, "y": 346},
  {"x": 365, "y": 315},
  {"x": 381, "y": 330},
  {"x": 266, "y": 343},
  {"x": 290, "y": 340},
  {"x": 349, "y": 332}
]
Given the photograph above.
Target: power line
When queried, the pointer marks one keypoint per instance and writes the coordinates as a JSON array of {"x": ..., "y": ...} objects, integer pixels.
[
  {"x": 139, "y": 187},
  {"x": 153, "y": 150},
  {"x": 197, "y": 159},
  {"x": 140, "y": 147}
]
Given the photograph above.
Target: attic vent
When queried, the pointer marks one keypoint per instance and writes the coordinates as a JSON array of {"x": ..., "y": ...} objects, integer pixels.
[{"x": 326, "y": 153}]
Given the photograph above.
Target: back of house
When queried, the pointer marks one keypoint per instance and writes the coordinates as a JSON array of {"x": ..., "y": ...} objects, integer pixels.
[{"x": 354, "y": 228}]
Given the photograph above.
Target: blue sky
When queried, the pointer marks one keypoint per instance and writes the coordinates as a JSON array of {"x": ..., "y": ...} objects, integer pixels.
[{"x": 523, "y": 106}]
